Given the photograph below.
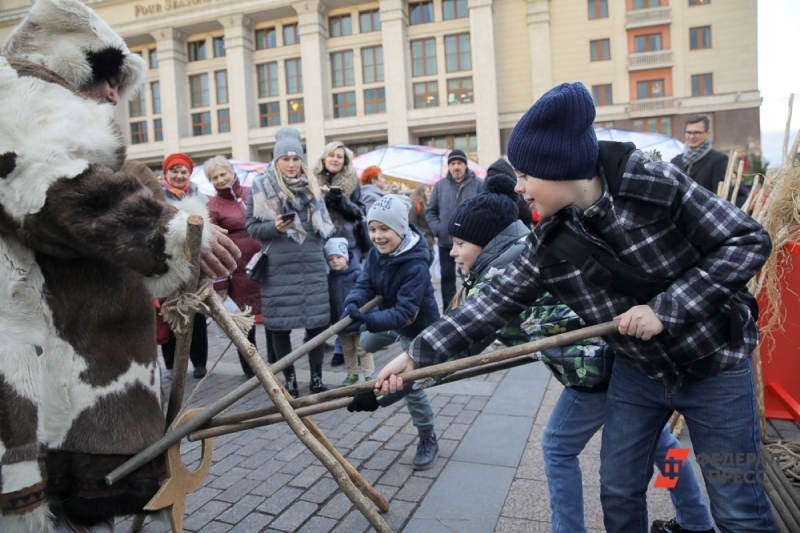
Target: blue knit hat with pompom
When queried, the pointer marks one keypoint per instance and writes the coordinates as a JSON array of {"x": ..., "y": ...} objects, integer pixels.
[
  {"x": 555, "y": 139},
  {"x": 482, "y": 217}
]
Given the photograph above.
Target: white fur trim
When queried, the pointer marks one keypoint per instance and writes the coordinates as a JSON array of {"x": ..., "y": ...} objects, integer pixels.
[
  {"x": 40, "y": 520},
  {"x": 17, "y": 476}
]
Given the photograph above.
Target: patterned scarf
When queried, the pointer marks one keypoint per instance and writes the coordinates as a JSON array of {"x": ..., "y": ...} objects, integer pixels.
[
  {"x": 269, "y": 201},
  {"x": 176, "y": 191},
  {"x": 692, "y": 155}
]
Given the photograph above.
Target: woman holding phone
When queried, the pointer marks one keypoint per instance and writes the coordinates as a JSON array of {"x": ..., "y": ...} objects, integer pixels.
[{"x": 286, "y": 212}]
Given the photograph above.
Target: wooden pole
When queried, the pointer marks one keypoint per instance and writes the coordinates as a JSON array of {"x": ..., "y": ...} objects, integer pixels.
[
  {"x": 183, "y": 337},
  {"x": 738, "y": 182},
  {"x": 176, "y": 434},
  {"x": 787, "y": 131},
  {"x": 726, "y": 189}
]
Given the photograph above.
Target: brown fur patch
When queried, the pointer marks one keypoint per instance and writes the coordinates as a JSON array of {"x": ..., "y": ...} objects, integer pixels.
[
  {"x": 8, "y": 162},
  {"x": 18, "y": 420},
  {"x": 23, "y": 67}
]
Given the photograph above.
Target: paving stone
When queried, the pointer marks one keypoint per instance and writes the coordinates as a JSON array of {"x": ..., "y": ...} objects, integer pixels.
[
  {"x": 241, "y": 509},
  {"x": 414, "y": 489},
  {"x": 291, "y": 451},
  {"x": 351, "y": 439},
  {"x": 396, "y": 475},
  {"x": 386, "y": 491},
  {"x": 308, "y": 476},
  {"x": 199, "y": 498},
  {"x": 353, "y": 523},
  {"x": 455, "y": 431},
  {"x": 199, "y": 518},
  {"x": 321, "y": 490},
  {"x": 482, "y": 445},
  {"x": 252, "y": 522},
  {"x": 337, "y": 507},
  {"x": 294, "y": 516},
  {"x": 382, "y": 434},
  {"x": 239, "y": 489},
  {"x": 280, "y": 501},
  {"x": 400, "y": 442},
  {"x": 452, "y": 409},
  {"x": 256, "y": 460},
  {"x": 382, "y": 460},
  {"x": 476, "y": 403},
  {"x": 365, "y": 449},
  {"x": 399, "y": 419},
  {"x": 466, "y": 416},
  {"x": 266, "y": 470},
  {"x": 299, "y": 464},
  {"x": 318, "y": 525},
  {"x": 447, "y": 447},
  {"x": 399, "y": 514},
  {"x": 257, "y": 447},
  {"x": 230, "y": 477}
]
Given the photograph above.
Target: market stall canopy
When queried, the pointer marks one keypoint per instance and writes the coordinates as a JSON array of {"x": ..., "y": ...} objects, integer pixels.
[
  {"x": 411, "y": 164},
  {"x": 245, "y": 171},
  {"x": 666, "y": 146}
]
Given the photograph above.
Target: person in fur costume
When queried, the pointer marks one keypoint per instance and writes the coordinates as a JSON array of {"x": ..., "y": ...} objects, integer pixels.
[{"x": 84, "y": 248}]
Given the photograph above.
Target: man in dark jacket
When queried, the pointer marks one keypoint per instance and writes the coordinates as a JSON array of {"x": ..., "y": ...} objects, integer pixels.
[
  {"x": 459, "y": 184},
  {"x": 699, "y": 161}
]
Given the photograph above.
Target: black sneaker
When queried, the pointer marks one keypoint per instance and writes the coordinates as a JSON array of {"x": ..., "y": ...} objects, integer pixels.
[
  {"x": 200, "y": 372},
  {"x": 427, "y": 452},
  {"x": 337, "y": 359},
  {"x": 671, "y": 526}
]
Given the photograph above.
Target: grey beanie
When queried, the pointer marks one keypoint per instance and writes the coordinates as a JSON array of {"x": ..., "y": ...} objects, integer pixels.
[
  {"x": 287, "y": 143},
  {"x": 336, "y": 246},
  {"x": 392, "y": 210}
]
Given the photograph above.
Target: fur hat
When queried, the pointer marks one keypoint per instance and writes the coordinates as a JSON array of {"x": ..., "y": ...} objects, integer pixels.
[
  {"x": 287, "y": 143},
  {"x": 482, "y": 217},
  {"x": 68, "y": 38},
  {"x": 555, "y": 139},
  {"x": 391, "y": 210}
]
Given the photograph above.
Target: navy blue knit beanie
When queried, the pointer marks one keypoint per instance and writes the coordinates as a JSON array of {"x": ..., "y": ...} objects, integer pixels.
[
  {"x": 482, "y": 217},
  {"x": 555, "y": 139}
]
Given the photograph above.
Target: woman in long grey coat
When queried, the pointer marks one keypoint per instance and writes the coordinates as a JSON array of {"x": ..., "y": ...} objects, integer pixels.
[{"x": 286, "y": 212}]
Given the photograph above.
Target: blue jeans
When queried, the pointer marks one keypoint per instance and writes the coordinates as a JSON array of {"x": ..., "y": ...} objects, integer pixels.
[
  {"x": 721, "y": 415},
  {"x": 576, "y": 417},
  {"x": 417, "y": 403}
]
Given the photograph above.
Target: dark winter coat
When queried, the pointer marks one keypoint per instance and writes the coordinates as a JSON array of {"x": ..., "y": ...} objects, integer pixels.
[
  {"x": 340, "y": 283},
  {"x": 404, "y": 281},
  {"x": 708, "y": 172},
  {"x": 416, "y": 216},
  {"x": 346, "y": 209},
  {"x": 371, "y": 194},
  {"x": 445, "y": 196},
  {"x": 228, "y": 210},
  {"x": 295, "y": 295}
]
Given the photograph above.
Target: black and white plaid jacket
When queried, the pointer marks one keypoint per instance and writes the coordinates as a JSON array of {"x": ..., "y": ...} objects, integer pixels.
[{"x": 661, "y": 222}]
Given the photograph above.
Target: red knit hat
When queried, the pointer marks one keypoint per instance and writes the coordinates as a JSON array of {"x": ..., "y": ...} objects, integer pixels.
[{"x": 178, "y": 159}]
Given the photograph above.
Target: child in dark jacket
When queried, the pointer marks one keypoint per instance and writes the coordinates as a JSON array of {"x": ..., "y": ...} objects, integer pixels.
[
  {"x": 397, "y": 269},
  {"x": 342, "y": 277}
]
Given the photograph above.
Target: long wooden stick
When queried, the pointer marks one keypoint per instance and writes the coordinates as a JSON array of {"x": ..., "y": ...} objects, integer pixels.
[
  {"x": 787, "y": 132},
  {"x": 726, "y": 189},
  {"x": 738, "y": 182},
  {"x": 183, "y": 337},
  {"x": 175, "y": 435}
]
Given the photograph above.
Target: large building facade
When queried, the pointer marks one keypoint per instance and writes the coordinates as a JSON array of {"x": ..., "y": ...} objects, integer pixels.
[{"x": 225, "y": 75}]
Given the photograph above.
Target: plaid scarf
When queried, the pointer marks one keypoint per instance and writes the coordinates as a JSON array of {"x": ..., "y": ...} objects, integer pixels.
[{"x": 692, "y": 155}]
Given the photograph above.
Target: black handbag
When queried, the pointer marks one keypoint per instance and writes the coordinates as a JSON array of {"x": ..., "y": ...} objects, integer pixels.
[{"x": 256, "y": 269}]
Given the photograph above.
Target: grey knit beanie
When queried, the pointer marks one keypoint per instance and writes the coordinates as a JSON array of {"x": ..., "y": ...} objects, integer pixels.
[
  {"x": 392, "y": 210},
  {"x": 287, "y": 143}
]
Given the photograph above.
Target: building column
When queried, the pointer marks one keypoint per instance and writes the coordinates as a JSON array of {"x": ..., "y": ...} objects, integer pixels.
[
  {"x": 171, "y": 46},
  {"x": 312, "y": 26},
  {"x": 541, "y": 54},
  {"x": 239, "y": 58},
  {"x": 484, "y": 76},
  {"x": 396, "y": 68}
]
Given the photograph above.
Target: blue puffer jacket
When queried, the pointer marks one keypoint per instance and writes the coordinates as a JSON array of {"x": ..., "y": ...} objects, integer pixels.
[
  {"x": 404, "y": 281},
  {"x": 340, "y": 283}
]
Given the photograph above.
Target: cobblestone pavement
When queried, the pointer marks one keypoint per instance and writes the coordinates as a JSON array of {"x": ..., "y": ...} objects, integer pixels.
[{"x": 488, "y": 477}]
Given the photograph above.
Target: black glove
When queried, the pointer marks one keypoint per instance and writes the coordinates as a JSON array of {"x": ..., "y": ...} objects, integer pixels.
[
  {"x": 364, "y": 401},
  {"x": 349, "y": 308},
  {"x": 352, "y": 329}
]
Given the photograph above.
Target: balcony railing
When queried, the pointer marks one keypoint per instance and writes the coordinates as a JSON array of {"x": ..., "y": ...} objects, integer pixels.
[
  {"x": 652, "y": 104},
  {"x": 648, "y": 17},
  {"x": 645, "y": 60}
]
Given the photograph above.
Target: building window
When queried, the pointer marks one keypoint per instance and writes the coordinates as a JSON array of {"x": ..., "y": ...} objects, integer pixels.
[
  {"x": 598, "y": 9},
  {"x": 426, "y": 94},
  {"x": 650, "y": 89},
  {"x": 221, "y": 81},
  {"x": 223, "y": 121},
  {"x": 459, "y": 91},
  {"x": 267, "y": 74},
  {"x": 700, "y": 38},
  {"x": 372, "y": 63},
  {"x": 699, "y": 2},
  {"x": 467, "y": 142},
  {"x": 454, "y": 9},
  {"x": 158, "y": 130},
  {"x": 340, "y": 25},
  {"x": 197, "y": 50},
  {"x": 152, "y": 58},
  {"x": 294, "y": 76},
  {"x": 457, "y": 54},
  {"x": 269, "y": 114},
  {"x": 137, "y": 106},
  {"x": 359, "y": 149},
  {"x": 342, "y": 69},
  {"x": 600, "y": 50},
  {"x": 375, "y": 101},
  {"x": 138, "y": 132},
  {"x": 290, "y": 34},
  {"x": 423, "y": 57},
  {"x": 266, "y": 38},
  {"x": 647, "y": 43},
  {"x": 609, "y": 125},
  {"x": 601, "y": 94},
  {"x": 702, "y": 84},
  {"x": 201, "y": 123},
  {"x": 344, "y": 105},
  {"x": 155, "y": 92},
  {"x": 297, "y": 113},
  {"x": 370, "y": 21},
  {"x": 199, "y": 88},
  {"x": 644, "y": 4},
  {"x": 662, "y": 125},
  {"x": 420, "y": 12},
  {"x": 219, "y": 46}
]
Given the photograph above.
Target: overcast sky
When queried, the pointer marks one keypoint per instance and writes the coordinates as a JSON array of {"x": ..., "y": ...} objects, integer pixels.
[{"x": 778, "y": 72}]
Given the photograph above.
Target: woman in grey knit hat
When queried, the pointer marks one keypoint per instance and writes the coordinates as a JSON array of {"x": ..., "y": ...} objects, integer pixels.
[{"x": 286, "y": 212}]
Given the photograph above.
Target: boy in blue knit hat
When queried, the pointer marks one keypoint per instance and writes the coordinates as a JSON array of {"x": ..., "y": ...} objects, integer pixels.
[{"x": 685, "y": 348}]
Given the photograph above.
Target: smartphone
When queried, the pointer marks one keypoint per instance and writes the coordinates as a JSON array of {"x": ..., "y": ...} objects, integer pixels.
[
  {"x": 336, "y": 190},
  {"x": 288, "y": 217}
]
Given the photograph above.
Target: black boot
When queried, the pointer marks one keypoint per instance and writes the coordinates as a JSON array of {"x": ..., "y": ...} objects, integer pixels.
[
  {"x": 291, "y": 382},
  {"x": 316, "y": 378}
]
